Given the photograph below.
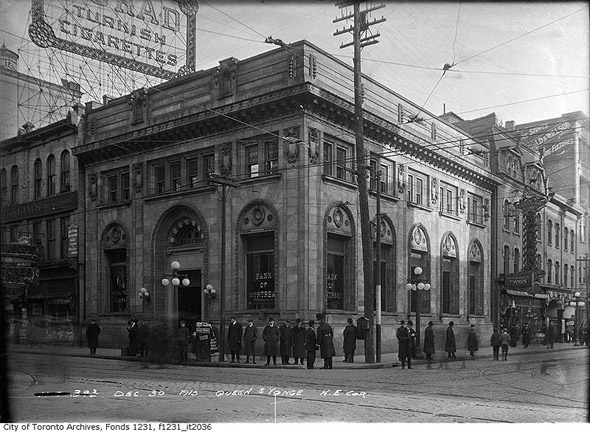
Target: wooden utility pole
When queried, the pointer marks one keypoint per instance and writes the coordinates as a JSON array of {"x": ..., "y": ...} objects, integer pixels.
[{"x": 361, "y": 38}]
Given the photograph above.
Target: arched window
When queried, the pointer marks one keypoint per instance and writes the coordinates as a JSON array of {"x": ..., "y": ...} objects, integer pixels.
[
  {"x": 114, "y": 246},
  {"x": 516, "y": 260},
  {"x": 572, "y": 276},
  {"x": 3, "y": 185},
  {"x": 565, "y": 234},
  {"x": 565, "y": 269},
  {"x": 38, "y": 174},
  {"x": 419, "y": 257},
  {"x": 50, "y": 175},
  {"x": 388, "y": 267},
  {"x": 475, "y": 293},
  {"x": 258, "y": 227},
  {"x": 557, "y": 274},
  {"x": 339, "y": 255},
  {"x": 549, "y": 271},
  {"x": 549, "y": 232},
  {"x": 450, "y": 275},
  {"x": 506, "y": 261},
  {"x": 557, "y": 235},
  {"x": 516, "y": 219},
  {"x": 65, "y": 171},
  {"x": 14, "y": 184},
  {"x": 539, "y": 226},
  {"x": 572, "y": 241},
  {"x": 506, "y": 210}
]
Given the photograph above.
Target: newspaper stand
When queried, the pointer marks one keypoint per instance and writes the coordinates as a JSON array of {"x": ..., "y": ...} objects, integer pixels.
[{"x": 203, "y": 342}]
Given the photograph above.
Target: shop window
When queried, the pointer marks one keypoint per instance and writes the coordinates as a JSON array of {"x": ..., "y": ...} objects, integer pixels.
[
  {"x": 419, "y": 257},
  {"x": 50, "y": 175},
  {"x": 475, "y": 280},
  {"x": 117, "y": 277},
  {"x": 388, "y": 267},
  {"x": 450, "y": 276}
]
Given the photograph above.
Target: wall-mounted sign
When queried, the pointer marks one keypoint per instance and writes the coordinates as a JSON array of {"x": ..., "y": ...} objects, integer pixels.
[
  {"x": 39, "y": 208},
  {"x": 519, "y": 280},
  {"x": 72, "y": 241},
  {"x": 154, "y": 37}
]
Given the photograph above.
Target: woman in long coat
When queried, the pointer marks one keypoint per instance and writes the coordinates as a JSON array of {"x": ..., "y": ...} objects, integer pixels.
[
  {"x": 429, "y": 341},
  {"x": 472, "y": 344},
  {"x": 249, "y": 337},
  {"x": 271, "y": 337},
  {"x": 325, "y": 341},
  {"x": 450, "y": 346},
  {"x": 298, "y": 338}
]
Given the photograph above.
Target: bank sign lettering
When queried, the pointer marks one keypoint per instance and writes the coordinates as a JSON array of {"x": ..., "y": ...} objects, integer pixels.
[{"x": 154, "y": 37}]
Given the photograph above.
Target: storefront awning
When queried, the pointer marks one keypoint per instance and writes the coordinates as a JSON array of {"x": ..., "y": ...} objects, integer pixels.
[{"x": 517, "y": 293}]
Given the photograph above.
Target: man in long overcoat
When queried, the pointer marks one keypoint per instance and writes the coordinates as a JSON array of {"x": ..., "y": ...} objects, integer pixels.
[
  {"x": 472, "y": 344},
  {"x": 412, "y": 332},
  {"x": 271, "y": 337},
  {"x": 182, "y": 341},
  {"x": 404, "y": 353},
  {"x": 250, "y": 336},
  {"x": 133, "y": 331},
  {"x": 429, "y": 341},
  {"x": 349, "y": 336},
  {"x": 92, "y": 333},
  {"x": 311, "y": 345},
  {"x": 298, "y": 338},
  {"x": 450, "y": 346},
  {"x": 325, "y": 341},
  {"x": 234, "y": 339},
  {"x": 286, "y": 343}
]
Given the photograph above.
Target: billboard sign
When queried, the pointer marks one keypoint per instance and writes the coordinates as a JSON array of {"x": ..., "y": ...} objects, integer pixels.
[
  {"x": 549, "y": 138},
  {"x": 153, "y": 37}
]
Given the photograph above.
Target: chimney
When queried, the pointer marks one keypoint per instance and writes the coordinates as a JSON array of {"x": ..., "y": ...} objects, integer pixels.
[{"x": 510, "y": 124}]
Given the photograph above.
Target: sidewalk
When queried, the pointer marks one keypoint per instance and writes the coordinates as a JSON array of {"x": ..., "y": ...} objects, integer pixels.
[{"x": 387, "y": 359}]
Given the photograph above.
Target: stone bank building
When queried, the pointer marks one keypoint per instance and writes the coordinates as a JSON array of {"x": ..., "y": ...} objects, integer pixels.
[{"x": 265, "y": 148}]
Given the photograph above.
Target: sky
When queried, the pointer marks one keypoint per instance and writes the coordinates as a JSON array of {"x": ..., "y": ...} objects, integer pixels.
[{"x": 525, "y": 61}]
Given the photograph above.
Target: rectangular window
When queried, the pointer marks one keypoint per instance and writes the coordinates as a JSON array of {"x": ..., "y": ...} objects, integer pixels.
[
  {"x": 419, "y": 190},
  {"x": 51, "y": 178},
  {"x": 208, "y": 165},
  {"x": 125, "y": 186},
  {"x": 38, "y": 239},
  {"x": 160, "y": 179},
  {"x": 252, "y": 167},
  {"x": 113, "y": 189},
  {"x": 260, "y": 271},
  {"x": 51, "y": 239},
  {"x": 116, "y": 187},
  {"x": 175, "y": 176},
  {"x": 475, "y": 209},
  {"x": 272, "y": 156},
  {"x": 192, "y": 173},
  {"x": 448, "y": 197},
  {"x": 64, "y": 223},
  {"x": 328, "y": 149},
  {"x": 341, "y": 163},
  {"x": 472, "y": 295},
  {"x": 410, "y": 188}
]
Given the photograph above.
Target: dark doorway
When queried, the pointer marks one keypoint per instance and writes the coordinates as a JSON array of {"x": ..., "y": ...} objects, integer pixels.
[{"x": 189, "y": 300}]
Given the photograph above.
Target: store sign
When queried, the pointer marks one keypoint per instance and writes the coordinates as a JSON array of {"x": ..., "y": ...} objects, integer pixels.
[
  {"x": 154, "y": 37},
  {"x": 40, "y": 208},
  {"x": 519, "y": 280},
  {"x": 72, "y": 241}
]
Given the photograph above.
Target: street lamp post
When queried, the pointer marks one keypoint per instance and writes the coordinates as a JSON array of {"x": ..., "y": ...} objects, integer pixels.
[
  {"x": 417, "y": 285},
  {"x": 174, "y": 277},
  {"x": 576, "y": 320},
  {"x": 210, "y": 294}
]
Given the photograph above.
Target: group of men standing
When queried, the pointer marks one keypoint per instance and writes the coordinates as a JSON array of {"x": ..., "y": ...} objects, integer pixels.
[{"x": 297, "y": 342}]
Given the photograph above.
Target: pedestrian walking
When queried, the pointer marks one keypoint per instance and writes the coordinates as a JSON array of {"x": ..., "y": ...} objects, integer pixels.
[
  {"x": 349, "y": 336},
  {"x": 311, "y": 345},
  {"x": 133, "y": 331},
  {"x": 450, "y": 345},
  {"x": 92, "y": 333},
  {"x": 271, "y": 336},
  {"x": 404, "y": 352},
  {"x": 286, "y": 344},
  {"x": 495, "y": 343},
  {"x": 325, "y": 341},
  {"x": 250, "y": 336},
  {"x": 504, "y": 343},
  {"x": 234, "y": 339},
  {"x": 513, "y": 335},
  {"x": 182, "y": 341},
  {"x": 298, "y": 338},
  {"x": 526, "y": 336},
  {"x": 144, "y": 340},
  {"x": 429, "y": 341},
  {"x": 472, "y": 343},
  {"x": 550, "y": 336},
  {"x": 412, "y": 339}
]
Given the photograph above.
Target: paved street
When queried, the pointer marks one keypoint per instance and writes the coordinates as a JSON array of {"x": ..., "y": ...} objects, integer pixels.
[{"x": 540, "y": 386}]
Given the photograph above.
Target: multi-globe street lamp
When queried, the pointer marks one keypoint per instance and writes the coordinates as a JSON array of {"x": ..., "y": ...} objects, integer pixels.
[
  {"x": 417, "y": 285},
  {"x": 576, "y": 319}
]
